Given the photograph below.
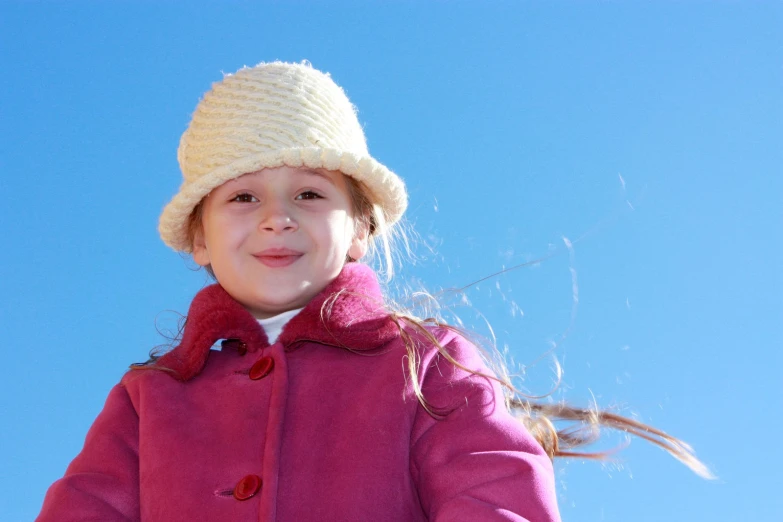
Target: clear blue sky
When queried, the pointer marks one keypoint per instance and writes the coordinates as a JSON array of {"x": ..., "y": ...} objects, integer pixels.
[{"x": 515, "y": 125}]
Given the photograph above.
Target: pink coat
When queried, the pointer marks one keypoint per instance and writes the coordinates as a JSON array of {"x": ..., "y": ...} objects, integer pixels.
[{"x": 304, "y": 429}]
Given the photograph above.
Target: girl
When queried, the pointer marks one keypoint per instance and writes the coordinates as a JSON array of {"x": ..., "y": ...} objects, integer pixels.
[{"x": 321, "y": 404}]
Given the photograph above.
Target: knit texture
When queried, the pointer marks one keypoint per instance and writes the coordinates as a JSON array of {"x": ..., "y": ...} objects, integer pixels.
[{"x": 271, "y": 115}]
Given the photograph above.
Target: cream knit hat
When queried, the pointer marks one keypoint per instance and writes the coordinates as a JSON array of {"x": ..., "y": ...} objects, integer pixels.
[{"x": 271, "y": 115}]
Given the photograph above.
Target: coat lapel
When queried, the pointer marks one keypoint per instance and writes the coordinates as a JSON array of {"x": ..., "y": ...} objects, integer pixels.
[{"x": 349, "y": 313}]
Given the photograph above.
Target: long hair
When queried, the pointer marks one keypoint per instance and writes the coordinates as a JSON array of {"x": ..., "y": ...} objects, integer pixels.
[{"x": 581, "y": 427}]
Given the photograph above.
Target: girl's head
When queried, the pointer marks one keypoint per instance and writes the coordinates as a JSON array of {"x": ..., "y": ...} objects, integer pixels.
[
  {"x": 279, "y": 190},
  {"x": 275, "y": 238}
]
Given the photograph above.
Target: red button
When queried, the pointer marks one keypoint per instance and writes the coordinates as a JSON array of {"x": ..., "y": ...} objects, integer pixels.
[
  {"x": 247, "y": 487},
  {"x": 262, "y": 368}
]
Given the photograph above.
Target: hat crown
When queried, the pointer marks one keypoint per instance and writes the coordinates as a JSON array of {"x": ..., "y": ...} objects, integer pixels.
[{"x": 269, "y": 107}]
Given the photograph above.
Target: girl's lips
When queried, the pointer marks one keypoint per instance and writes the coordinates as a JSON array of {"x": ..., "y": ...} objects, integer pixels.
[{"x": 278, "y": 257}]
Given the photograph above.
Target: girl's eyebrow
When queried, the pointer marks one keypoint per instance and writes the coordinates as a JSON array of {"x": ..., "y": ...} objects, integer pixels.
[{"x": 317, "y": 173}]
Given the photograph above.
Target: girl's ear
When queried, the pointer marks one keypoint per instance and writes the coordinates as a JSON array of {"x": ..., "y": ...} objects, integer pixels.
[
  {"x": 361, "y": 240},
  {"x": 200, "y": 252}
]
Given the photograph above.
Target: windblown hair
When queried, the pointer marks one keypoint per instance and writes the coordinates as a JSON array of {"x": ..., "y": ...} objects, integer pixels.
[{"x": 583, "y": 426}]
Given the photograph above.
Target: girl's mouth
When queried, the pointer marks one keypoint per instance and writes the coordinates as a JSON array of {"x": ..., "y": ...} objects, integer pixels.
[{"x": 278, "y": 257}]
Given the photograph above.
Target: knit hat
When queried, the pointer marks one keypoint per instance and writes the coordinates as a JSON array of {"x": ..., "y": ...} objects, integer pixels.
[{"x": 271, "y": 115}]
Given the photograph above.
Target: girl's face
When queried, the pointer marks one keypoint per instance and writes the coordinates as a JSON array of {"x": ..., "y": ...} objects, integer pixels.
[{"x": 275, "y": 238}]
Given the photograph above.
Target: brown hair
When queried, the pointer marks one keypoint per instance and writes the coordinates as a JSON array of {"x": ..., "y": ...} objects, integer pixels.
[{"x": 583, "y": 425}]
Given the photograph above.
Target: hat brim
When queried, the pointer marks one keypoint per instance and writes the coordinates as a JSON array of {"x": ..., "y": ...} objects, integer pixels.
[{"x": 386, "y": 188}]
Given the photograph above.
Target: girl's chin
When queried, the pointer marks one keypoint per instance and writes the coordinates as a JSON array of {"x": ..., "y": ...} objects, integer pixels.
[{"x": 268, "y": 302}]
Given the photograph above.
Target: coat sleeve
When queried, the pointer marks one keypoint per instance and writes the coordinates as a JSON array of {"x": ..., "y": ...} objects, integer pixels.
[
  {"x": 102, "y": 482},
  {"x": 476, "y": 462}
]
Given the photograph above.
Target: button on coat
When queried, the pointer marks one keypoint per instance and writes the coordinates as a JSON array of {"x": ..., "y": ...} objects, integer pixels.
[
  {"x": 247, "y": 487},
  {"x": 262, "y": 368}
]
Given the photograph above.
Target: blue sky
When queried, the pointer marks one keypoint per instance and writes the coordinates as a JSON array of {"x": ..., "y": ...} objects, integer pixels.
[{"x": 646, "y": 133}]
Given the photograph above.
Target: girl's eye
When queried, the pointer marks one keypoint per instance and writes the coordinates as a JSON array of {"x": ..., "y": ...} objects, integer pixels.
[
  {"x": 244, "y": 198},
  {"x": 308, "y": 194}
]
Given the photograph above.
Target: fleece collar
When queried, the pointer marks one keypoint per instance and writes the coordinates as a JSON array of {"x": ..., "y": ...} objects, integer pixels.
[{"x": 348, "y": 313}]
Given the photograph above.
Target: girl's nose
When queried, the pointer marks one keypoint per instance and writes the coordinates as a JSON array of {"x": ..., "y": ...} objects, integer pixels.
[{"x": 277, "y": 219}]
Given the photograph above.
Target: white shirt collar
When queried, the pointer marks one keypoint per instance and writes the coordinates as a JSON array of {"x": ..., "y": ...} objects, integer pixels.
[{"x": 274, "y": 325}]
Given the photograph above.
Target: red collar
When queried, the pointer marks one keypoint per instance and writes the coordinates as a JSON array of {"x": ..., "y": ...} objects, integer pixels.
[{"x": 348, "y": 313}]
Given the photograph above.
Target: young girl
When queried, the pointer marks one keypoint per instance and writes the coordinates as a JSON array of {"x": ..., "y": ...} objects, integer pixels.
[{"x": 322, "y": 404}]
